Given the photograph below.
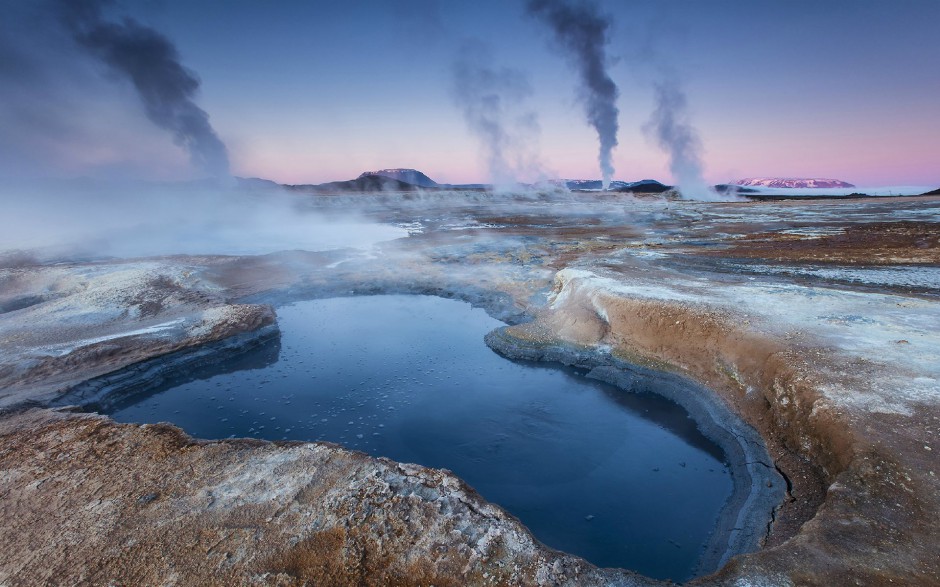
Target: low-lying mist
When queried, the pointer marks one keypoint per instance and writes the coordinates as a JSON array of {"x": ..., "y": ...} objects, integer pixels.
[{"x": 74, "y": 219}]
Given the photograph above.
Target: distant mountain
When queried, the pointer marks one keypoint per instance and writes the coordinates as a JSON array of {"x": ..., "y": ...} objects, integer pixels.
[
  {"x": 792, "y": 182},
  {"x": 935, "y": 192},
  {"x": 725, "y": 188},
  {"x": 416, "y": 178},
  {"x": 648, "y": 186},
  {"x": 409, "y": 180},
  {"x": 362, "y": 184},
  {"x": 410, "y": 176},
  {"x": 257, "y": 183}
]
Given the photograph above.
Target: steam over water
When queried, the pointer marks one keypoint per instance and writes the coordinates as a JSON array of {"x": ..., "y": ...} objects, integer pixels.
[{"x": 623, "y": 479}]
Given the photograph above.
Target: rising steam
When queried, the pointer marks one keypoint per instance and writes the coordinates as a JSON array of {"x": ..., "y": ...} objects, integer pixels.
[
  {"x": 152, "y": 64},
  {"x": 491, "y": 100},
  {"x": 86, "y": 219},
  {"x": 669, "y": 126},
  {"x": 581, "y": 30}
]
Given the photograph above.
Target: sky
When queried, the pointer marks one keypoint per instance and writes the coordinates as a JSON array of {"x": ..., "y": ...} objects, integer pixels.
[{"x": 314, "y": 91}]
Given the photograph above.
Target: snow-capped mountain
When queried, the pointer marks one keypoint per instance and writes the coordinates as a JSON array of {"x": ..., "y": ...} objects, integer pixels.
[
  {"x": 792, "y": 182},
  {"x": 412, "y": 176}
]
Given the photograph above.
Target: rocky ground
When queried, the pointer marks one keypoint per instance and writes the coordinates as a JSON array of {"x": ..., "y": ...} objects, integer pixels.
[{"x": 817, "y": 322}]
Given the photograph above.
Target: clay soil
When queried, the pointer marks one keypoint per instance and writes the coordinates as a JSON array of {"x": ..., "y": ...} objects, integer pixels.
[
  {"x": 842, "y": 384},
  {"x": 876, "y": 243}
]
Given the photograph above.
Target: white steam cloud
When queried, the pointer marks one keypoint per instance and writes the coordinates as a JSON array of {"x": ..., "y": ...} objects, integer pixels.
[
  {"x": 71, "y": 220},
  {"x": 492, "y": 100},
  {"x": 670, "y": 127}
]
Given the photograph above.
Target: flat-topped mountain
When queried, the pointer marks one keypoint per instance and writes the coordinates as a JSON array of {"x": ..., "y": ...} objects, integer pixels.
[{"x": 792, "y": 182}]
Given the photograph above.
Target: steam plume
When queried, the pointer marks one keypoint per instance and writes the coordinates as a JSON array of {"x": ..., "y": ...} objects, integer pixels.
[
  {"x": 491, "y": 99},
  {"x": 582, "y": 31},
  {"x": 670, "y": 127},
  {"x": 152, "y": 64}
]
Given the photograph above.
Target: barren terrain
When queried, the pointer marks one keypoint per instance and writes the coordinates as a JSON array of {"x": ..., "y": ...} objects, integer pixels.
[{"x": 817, "y": 322}]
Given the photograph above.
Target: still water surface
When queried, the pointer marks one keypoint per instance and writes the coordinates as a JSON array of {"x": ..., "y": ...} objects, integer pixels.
[{"x": 622, "y": 479}]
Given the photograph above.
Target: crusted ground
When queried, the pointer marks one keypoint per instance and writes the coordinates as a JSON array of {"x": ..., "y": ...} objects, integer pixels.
[
  {"x": 874, "y": 243},
  {"x": 863, "y": 427},
  {"x": 818, "y": 322},
  {"x": 88, "y": 501},
  {"x": 71, "y": 322}
]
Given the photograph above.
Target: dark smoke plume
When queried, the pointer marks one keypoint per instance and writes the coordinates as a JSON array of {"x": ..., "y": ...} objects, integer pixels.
[
  {"x": 492, "y": 99},
  {"x": 582, "y": 31},
  {"x": 669, "y": 126},
  {"x": 152, "y": 64}
]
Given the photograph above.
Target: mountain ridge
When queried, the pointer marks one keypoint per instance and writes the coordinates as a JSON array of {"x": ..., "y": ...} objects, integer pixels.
[
  {"x": 403, "y": 174},
  {"x": 406, "y": 179},
  {"x": 792, "y": 182}
]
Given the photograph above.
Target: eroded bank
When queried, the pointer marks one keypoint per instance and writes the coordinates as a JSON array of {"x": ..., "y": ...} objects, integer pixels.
[{"x": 838, "y": 376}]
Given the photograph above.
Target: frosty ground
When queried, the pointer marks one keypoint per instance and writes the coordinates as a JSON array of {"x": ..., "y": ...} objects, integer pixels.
[{"x": 818, "y": 322}]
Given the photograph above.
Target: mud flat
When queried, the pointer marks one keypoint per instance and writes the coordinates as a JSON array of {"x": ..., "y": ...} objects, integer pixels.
[{"x": 839, "y": 378}]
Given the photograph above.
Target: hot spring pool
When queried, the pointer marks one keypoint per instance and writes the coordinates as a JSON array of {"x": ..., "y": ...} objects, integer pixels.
[{"x": 622, "y": 479}]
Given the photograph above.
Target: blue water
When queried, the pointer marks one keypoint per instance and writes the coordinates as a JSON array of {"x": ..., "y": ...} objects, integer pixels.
[{"x": 622, "y": 479}]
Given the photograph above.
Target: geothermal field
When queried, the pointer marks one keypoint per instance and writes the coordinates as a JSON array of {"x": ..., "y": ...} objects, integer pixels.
[
  {"x": 767, "y": 409},
  {"x": 221, "y": 365}
]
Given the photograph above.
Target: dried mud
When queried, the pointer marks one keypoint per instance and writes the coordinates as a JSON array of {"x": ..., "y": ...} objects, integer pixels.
[
  {"x": 840, "y": 382},
  {"x": 876, "y": 243}
]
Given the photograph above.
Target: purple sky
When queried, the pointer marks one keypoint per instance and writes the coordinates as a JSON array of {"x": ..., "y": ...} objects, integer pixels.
[{"x": 316, "y": 91}]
